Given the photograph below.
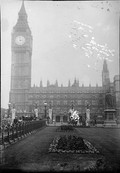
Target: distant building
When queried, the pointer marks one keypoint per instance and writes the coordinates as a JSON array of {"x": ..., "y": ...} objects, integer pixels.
[{"x": 60, "y": 98}]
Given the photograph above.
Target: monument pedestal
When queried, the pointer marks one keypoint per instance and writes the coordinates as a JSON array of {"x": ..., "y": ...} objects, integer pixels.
[{"x": 110, "y": 118}]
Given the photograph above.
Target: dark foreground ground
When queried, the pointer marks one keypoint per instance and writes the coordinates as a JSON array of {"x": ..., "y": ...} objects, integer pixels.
[{"x": 31, "y": 153}]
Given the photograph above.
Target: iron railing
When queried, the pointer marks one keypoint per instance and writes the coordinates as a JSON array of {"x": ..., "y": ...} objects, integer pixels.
[{"x": 17, "y": 131}]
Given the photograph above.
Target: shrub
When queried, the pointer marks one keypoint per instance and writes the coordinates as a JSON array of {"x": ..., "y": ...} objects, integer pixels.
[{"x": 66, "y": 127}]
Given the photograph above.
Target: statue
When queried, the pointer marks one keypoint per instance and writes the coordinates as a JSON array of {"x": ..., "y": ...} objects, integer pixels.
[
  {"x": 109, "y": 101},
  {"x": 13, "y": 115},
  {"x": 87, "y": 115},
  {"x": 74, "y": 117},
  {"x": 110, "y": 112},
  {"x": 36, "y": 112},
  {"x": 50, "y": 114}
]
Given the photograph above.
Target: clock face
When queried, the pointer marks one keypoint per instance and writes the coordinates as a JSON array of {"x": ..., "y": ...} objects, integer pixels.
[{"x": 20, "y": 40}]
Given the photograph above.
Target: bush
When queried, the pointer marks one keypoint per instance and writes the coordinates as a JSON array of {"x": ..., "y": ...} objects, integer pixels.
[
  {"x": 99, "y": 121},
  {"x": 66, "y": 127}
]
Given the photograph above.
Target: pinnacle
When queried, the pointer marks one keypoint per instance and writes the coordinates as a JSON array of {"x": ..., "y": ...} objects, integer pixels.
[
  {"x": 22, "y": 10},
  {"x": 105, "y": 65}
]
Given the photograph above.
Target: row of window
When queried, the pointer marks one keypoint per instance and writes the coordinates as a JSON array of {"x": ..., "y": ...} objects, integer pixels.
[
  {"x": 21, "y": 98},
  {"x": 67, "y": 91},
  {"x": 65, "y": 102},
  {"x": 58, "y": 110},
  {"x": 62, "y": 96}
]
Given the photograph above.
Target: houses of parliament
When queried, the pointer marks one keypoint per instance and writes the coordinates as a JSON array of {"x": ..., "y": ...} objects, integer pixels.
[{"x": 59, "y": 98}]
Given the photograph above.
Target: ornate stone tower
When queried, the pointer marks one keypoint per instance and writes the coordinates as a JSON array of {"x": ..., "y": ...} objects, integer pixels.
[
  {"x": 21, "y": 45},
  {"x": 105, "y": 76}
]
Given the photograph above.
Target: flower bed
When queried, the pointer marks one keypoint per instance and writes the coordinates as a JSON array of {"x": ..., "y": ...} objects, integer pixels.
[
  {"x": 65, "y": 128},
  {"x": 71, "y": 144}
]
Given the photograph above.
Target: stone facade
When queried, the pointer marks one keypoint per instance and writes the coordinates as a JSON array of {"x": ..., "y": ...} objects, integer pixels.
[
  {"x": 21, "y": 45},
  {"x": 60, "y": 98}
]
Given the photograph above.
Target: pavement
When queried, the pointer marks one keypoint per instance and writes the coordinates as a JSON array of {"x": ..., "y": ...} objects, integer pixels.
[{"x": 31, "y": 153}]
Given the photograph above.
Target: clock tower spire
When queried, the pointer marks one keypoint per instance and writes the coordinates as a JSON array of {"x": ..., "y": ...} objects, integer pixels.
[
  {"x": 22, "y": 10},
  {"x": 22, "y": 23},
  {"x": 21, "y": 45}
]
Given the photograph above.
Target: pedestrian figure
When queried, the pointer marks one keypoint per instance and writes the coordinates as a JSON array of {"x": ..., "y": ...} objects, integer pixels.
[{"x": 15, "y": 121}]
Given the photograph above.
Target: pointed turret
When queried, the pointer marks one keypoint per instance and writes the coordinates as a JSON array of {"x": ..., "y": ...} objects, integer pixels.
[
  {"x": 105, "y": 68},
  {"x": 41, "y": 85},
  {"x": 56, "y": 83},
  {"x": 22, "y": 11},
  {"x": 77, "y": 82},
  {"x": 22, "y": 23},
  {"x": 69, "y": 84},
  {"x": 48, "y": 83}
]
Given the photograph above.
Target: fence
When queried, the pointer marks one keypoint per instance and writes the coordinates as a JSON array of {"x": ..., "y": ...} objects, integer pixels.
[{"x": 15, "y": 132}]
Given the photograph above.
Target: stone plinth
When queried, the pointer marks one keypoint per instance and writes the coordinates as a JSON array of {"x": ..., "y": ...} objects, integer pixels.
[{"x": 110, "y": 118}]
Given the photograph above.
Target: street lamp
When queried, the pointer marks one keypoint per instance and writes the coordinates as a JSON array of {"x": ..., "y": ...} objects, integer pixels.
[
  {"x": 72, "y": 105},
  {"x": 45, "y": 104}
]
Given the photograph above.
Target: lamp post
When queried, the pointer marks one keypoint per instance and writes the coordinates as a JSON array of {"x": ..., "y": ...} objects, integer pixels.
[
  {"x": 45, "y": 104},
  {"x": 9, "y": 113},
  {"x": 72, "y": 105}
]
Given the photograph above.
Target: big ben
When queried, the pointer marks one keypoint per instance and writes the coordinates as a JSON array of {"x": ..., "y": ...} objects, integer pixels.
[
  {"x": 60, "y": 98},
  {"x": 21, "y": 46}
]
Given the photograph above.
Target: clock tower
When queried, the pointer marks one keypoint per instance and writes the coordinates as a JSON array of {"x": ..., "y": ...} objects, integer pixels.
[{"x": 21, "y": 45}]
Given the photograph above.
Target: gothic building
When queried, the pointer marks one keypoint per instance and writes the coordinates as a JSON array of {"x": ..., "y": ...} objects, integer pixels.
[{"x": 60, "y": 98}]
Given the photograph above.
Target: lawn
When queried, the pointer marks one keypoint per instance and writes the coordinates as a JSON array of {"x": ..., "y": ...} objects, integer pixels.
[{"x": 32, "y": 153}]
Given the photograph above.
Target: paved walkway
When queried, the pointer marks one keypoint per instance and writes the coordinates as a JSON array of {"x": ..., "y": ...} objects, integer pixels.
[{"x": 31, "y": 152}]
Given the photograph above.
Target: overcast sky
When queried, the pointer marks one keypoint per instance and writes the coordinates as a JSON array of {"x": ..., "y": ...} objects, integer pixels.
[{"x": 56, "y": 53}]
